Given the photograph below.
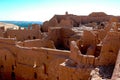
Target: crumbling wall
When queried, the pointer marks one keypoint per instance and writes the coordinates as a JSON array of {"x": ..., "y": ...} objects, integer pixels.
[
  {"x": 75, "y": 21},
  {"x": 101, "y": 34},
  {"x": 36, "y": 26},
  {"x": 79, "y": 58},
  {"x": 1, "y": 33},
  {"x": 60, "y": 36},
  {"x": 7, "y": 58},
  {"x": 28, "y": 61},
  {"x": 65, "y": 23},
  {"x": 22, "y": 35},
  {"x": 7, "y": 63},
  {"x": 66, "y": 34},
  {"x": 77, "y": 66},
  {"x": 109, "y": 50},
  {"x": 116, "y": 72},
  {"x": 39, "y": 63},
  {"x": 37, "y": 43},
  {"x": 88, "y": 41},
  {"x": 73, "y": 73},
  {"x": 17, "y": 62},
  {"x": 54, "y": 34},
  {"x": 89, "y": 38},
  {"x": 53, "y": 22}
]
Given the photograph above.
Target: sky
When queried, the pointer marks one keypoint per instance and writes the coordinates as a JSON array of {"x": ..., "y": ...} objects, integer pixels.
[{"x": 42, "y": 10}]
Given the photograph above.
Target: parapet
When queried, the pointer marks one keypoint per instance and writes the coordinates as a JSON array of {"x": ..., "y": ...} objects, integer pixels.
[
  {"x": 37, "y": 43},
  {"x": 8, "y": 40}
]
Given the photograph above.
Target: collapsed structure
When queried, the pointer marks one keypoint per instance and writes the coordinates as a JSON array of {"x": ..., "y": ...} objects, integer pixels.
[{"x": 67, "y": 47}]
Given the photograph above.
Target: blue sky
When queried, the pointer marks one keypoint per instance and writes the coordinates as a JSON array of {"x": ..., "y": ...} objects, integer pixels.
[{"x": 41, "y": 10}]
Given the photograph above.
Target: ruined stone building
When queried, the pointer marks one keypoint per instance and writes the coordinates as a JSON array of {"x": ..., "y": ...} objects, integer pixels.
[
  {"x": 64, "y": 48},
  {"x": 70, "y": 20}
]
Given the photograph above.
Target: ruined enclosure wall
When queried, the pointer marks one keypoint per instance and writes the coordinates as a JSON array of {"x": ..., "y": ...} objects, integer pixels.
[
  {"x": 37, "y": 43},
  {"x": 29, "y": 63},
  {"x": 39, "y": 63},
  {"x": 101, "y": 34},
  {"x": 1, "y": 33},
  {"x": 7, "y": 61},
  {"x": 7, "y": 41},
  {"x": 88, "y": 43},
  {"x": 66, "y": 23},
  {"x": 54, "y": 34},
  {"x": 66, "y": 34},
  {"x": 89, "y": 38},
  {"x": 79, "y": 58},
  {"x": 60, "y": 36},
  {"x": 109, "y": 50},
  {"x": 51, "y": 23},
  {"x": 7, "y": 58},
  {"x": 22, "y": 35},
  {"x": 73, "y": 20},
  {"x": 73, "y": 73},
  {"x": 116, "y": 72}
]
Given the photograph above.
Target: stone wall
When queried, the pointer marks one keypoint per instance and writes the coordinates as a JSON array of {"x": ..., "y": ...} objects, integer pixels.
[
  {"x": 109, "y": 50},
  {"x": 60, "y": 36},
  {"x": 89, "y": 38},
  {"x": 116, "y": 72},
  {"x": 54, "y": 34},
  {"x": 79, "y": 58},
  {"x": 74, "y": 20},
  {"x": 34, "y": 60},
  {"x": 1, "y": 32},
  {"x": 37, "y": 43},
  {"x": 32, "y": 63},
  {"x": 25, "y": 63},
  {"x": 22, "y": 35},
  {"x": 73, "y": 73}
]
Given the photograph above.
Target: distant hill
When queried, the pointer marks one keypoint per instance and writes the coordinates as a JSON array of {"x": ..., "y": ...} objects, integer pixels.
[
  {"x": 22, "y": 23},
  {"x": 8, "y": 26}
]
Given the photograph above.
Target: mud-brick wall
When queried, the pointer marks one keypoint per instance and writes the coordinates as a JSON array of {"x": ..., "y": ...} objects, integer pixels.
[
  {"x": 22, "y": 35},
  {"x": 55, "y": 58},
  {"x": 23, "y": 63},
  {"x": 28, "y": 60},
  {"x": 7, "y": 58},
  {"x": 37, "y": 43},
  {"x": 73, "y": 73},
  {"x": 79, "y": 58},
  {"x": 101, "y": 34},
  {"x": 87, "y": 60},
  {"x": 110, "y": 48},
  {"x": 89, "y": 38},
  {"x": 7, "y": 41},
  {"x": 39, "y": 63},
  {"x": 116, "y": 72},
  {"x": 9, "y": 44},
  {"x": 1, "y": 33},
  {"x": 7, "y": 63},
  {"x": 66, "y": 33},
  {"x": 54, "y": 34}
]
